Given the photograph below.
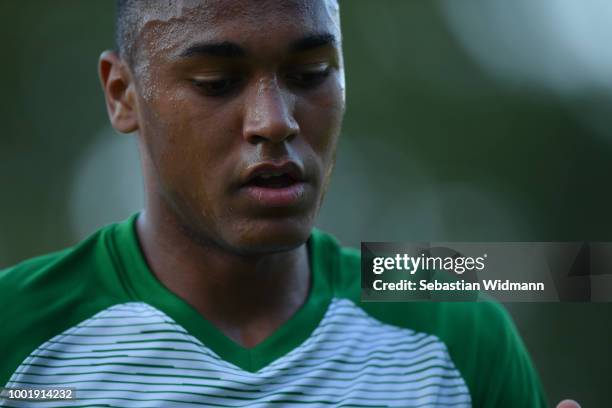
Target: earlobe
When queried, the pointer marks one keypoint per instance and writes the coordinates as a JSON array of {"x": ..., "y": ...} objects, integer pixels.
[{"x": 119, "y": 94}]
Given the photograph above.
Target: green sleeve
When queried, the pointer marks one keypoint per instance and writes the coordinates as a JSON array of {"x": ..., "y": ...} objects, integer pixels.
[{"x": 510, "y": 379}]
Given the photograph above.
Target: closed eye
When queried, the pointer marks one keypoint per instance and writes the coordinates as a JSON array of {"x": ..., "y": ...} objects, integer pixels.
[
  {"x": 308, "y": 76},
  {"x": 218, "y": 86}
]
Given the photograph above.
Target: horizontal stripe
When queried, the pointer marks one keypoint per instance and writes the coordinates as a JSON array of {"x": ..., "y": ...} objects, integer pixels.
[
  {"x": 441, "y": 373},
  {"x": 409, "y": 356},
  {"x": 449, "y": 380},
  {"x": 426, "y": 399},
  {"x": 370, "y": 387},
  {"x": 133, "y": 355}
]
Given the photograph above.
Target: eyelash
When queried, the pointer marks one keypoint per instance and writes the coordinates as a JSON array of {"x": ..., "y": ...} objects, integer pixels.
[
  {"x": 302, "y": 79},
  {"x": 218, "y": 87},
  {"x": 307, "y": 79}
]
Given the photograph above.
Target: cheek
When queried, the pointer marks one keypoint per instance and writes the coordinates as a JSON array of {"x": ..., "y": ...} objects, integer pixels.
[
  {"x": 320, "y": 121},
  {"x": 188, "y": 149}
]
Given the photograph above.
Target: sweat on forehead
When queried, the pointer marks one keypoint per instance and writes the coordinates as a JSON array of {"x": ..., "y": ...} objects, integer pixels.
[{"x": 134, "y": 16}]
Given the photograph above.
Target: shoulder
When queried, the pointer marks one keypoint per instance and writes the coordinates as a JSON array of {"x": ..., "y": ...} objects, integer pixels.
[
  {"x": 481, "y": 337},
  {"x": 483, "y": 343},
  {"x": 15, "y": 279},
  {"x": 341, "y": 264},
  {"x": 484, "y": 320},
  {"x": 42, "y": 296},
  {"x": 54, "y": 270}
]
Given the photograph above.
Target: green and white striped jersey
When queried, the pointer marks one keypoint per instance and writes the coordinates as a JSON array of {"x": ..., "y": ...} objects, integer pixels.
[{"x": 94, "y": 318}]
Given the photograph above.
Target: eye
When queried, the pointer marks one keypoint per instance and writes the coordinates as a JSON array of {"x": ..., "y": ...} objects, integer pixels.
[
  {"x": 308, "y": 76},
  {"x": 217, "y": 86}
]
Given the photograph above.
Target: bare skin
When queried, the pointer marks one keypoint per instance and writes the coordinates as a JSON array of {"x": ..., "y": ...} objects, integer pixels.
[{"x": 217, "y": 88}]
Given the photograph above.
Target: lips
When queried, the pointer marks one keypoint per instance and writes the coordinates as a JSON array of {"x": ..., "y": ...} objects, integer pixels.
[
  {"x": 272, "y": 184},
  {"x": 280, "y": 180},
  {"x": 273, "y": 175}
]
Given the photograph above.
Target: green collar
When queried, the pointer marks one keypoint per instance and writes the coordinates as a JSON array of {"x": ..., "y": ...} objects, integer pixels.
[{"x": 142, "y": 285}]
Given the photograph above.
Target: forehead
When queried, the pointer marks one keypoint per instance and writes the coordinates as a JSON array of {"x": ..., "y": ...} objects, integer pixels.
[{"x": 166, "y": 26}]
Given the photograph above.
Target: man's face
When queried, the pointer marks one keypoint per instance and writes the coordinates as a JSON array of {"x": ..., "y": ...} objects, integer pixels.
[{"x": 240, "y": 105}]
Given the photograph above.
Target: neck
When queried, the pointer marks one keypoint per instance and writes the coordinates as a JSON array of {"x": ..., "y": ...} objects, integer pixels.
[{"x": 245, "y": 297}]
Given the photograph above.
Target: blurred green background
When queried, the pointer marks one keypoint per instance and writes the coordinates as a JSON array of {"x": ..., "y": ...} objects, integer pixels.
[{"x": 486, "y": 120}]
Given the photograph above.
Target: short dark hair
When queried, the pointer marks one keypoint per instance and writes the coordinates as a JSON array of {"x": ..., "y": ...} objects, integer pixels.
[
  {"x": 127, "y": 25},
  {"x": 126, "y": 22}
]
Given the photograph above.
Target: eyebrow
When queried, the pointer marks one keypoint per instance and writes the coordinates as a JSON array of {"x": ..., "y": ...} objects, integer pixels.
[
  {"x": 232, "y": 50},
  {"x": 312, "y": 41},
  {"x": 223, "y": 49}
]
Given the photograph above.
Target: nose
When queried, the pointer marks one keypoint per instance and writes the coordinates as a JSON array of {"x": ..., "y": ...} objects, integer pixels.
[{"x": 269, "y": 113}]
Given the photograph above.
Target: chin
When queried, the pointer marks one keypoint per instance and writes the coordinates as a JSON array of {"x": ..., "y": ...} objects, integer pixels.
[{"x": 270, "y": 236}]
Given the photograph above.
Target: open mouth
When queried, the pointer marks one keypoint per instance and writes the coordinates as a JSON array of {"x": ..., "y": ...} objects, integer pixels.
[
  {"x": 283, "y": 180},
  {"x": 276, "y": 185}
]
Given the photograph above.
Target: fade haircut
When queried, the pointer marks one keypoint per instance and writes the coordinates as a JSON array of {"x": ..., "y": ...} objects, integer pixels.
[
  {"x": 126, "y": 22},
  {"x": 128, "y": 19}
]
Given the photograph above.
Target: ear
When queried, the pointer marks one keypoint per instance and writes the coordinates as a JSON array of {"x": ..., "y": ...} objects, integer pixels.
[{"x": 119, "y": 92}]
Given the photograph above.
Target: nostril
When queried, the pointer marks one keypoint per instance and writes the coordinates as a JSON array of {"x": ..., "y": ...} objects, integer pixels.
[{"x": 255, "y": 139}]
